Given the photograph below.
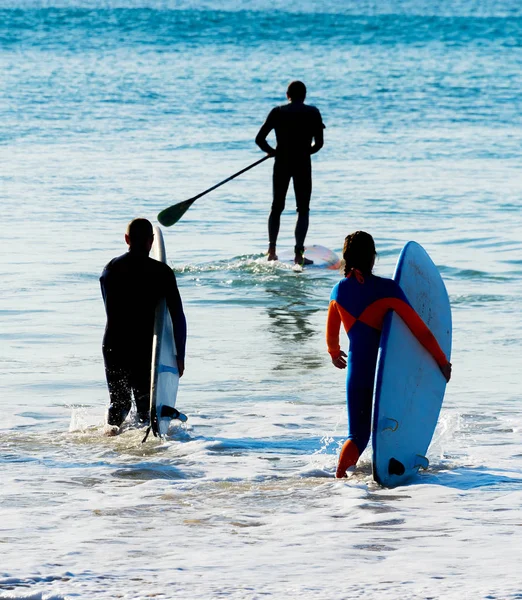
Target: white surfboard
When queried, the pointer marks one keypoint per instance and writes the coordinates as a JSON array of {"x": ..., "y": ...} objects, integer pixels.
[
  {"x": 164, "y": 374},
  {"x": 409, "y": 386},
  {"x": 323, "y": 257}
]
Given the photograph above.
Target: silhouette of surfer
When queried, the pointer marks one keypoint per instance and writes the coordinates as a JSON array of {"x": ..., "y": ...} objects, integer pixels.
[
  {"x": 296, "y": 126},
  {"x": 132, "y": 285}
]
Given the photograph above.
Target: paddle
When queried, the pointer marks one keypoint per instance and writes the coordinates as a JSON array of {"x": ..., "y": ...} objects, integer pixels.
[{"x": 173, "y": 214}]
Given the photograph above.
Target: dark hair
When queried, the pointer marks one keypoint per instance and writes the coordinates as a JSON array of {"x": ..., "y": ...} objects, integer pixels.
[
  {"x": 139, "y": 232},
  {"x": 296, "y": 91},
  {"x": 359, "y": 252}
]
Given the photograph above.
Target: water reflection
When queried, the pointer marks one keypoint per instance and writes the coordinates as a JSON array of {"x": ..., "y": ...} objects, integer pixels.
[{"x": 292, "y": 304}]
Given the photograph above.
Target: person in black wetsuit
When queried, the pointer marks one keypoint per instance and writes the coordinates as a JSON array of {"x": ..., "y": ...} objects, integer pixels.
[
  {"x": 131, "y": 286},
  {"x": 296, "y": 125}
]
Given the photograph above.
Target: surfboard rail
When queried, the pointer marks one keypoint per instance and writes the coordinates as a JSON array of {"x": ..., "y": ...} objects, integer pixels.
[
  {"x": 164, "y": 369},
  {"x": 323, "y": 257}
]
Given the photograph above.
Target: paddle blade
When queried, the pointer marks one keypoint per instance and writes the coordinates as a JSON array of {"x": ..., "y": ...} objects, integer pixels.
[{"x": 173, "y": 214}]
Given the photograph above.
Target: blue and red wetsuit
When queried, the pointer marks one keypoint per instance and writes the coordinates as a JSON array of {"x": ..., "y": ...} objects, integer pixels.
[{"x": 360, "y": 302}]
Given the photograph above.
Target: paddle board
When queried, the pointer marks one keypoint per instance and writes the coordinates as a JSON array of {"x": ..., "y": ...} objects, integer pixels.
[
  {"x": 323, "y": 257},
  {"x": 409, "y": 386},
  {"x": 164, "y": 371}
]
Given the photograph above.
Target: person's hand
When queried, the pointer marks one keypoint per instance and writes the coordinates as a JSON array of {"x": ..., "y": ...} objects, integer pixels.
[
  {"x": 340, "y": 361},
  {"x": 446, "y": 371},
  {"x": 272, "y": 152},
  {"x": 181, "y": 366}
]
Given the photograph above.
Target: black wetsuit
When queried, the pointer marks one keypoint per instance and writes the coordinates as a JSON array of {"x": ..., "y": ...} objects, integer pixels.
[
  {"x": 132, "y": 285},
  {"x": 296, "y": 125}
]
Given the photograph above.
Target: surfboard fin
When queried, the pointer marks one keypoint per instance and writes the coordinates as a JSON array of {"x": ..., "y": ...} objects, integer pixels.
[
  {"x": 421, "y": 462},
  {"x": 389, "y": 424},
  {"x": 395, "y": 467},
  {"x": 172, "y": 413}
]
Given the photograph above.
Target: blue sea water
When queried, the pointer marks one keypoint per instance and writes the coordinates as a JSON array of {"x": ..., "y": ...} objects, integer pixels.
[{"x": 113, "y": 109}]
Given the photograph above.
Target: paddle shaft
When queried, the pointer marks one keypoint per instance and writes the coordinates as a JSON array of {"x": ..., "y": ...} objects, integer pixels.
[
  {"x": 173, "y": 214},
  {"x": 258, "y": 162}
]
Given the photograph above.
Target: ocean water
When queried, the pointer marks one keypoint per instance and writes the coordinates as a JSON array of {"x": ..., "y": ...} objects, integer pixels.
[{"x": 114, "y": 109}]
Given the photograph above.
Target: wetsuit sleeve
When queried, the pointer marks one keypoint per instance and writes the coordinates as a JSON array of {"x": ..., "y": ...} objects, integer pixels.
[
  {"x": 177, "y": 315},
  {"x": 103, "y": 283},
  {"x": 318, "y": 134},
  {"x": 266, "y": 128},
  {"x": 420, "y": 330},
  {"x": 396, "y": 300},
  {"x": 333, "y": 326}
]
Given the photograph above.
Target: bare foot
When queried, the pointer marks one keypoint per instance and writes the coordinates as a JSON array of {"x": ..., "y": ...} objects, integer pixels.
[
  {"x": 339, "y": 474},
  {"x": 303, "y": 261},
  {"x": 111, "y": 430},
  {"x": 272, "y": 253}
]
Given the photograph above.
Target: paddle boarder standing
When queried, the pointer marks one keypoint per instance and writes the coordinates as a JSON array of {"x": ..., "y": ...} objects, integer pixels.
[
  {"x": 296, "y": 126},
  {"x": 132, "y": 285}
]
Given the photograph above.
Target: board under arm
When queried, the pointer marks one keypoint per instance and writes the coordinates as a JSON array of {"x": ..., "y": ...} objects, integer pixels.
[{"x": 420, "y": 330}]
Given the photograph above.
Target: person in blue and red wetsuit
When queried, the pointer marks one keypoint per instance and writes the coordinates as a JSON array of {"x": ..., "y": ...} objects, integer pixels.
[
  {"x": 360, "y": 302},
  {"x": 132, "y": 285},
  {"x": 296, "y": 126}
]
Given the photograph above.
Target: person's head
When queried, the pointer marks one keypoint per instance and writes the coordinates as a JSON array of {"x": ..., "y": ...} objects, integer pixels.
[
  {"x": 139, "y": 234},
  {"x": 359, "y": 252},
  {"x": 296, "y": 91}
]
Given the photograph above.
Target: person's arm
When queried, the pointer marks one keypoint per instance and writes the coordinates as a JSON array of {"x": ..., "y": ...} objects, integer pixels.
[
  {"x": 374, "y": 317},
  {"x": 179, "y": 321},
  {"x": 318, "y": 135},
  {"x": 423, "y": 334},
  {"x": 333, "y": 325},
  {"x": 103, "y": 283},
  {"x": 266, "y": 128}
]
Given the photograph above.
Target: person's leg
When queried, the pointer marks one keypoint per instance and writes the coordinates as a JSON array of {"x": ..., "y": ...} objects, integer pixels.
[
  {"x": 117, "y": 376},
  {"x": 303, "y": 191},
  {"x": 140, "y": 383},
  {"x": 347, "y": 458},
  {"x": 280, "y": 183},
  {"x": 359, "y": 403}
]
